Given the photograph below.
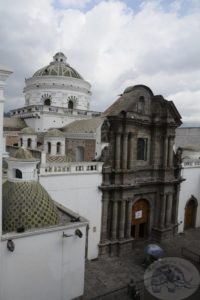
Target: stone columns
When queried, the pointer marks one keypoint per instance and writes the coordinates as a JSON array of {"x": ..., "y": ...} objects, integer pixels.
[
  {"x": 131, "y": 149},
  {"x": 114, "y": 220},
  {"x": 163, "y": 211},
  {"x": 122, "y": 219},
  {"x": 117, "y": 150},
  {"x": 104, "y": 219},
  {"x": 169, "y": 210},
  {"x": 129, "y": 219}
]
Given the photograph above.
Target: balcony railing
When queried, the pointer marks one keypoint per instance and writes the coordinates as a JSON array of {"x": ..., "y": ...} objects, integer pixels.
[
  {"x": 33, "y": 111},
  {"x": 72, "y": 167}
]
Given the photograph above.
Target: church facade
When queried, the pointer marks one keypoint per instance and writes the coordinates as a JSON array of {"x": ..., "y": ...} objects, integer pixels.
[{"x": 140, "y": 181}]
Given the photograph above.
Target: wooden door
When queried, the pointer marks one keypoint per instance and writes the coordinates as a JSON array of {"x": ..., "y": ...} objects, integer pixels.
[
  {"x": 140, "y": 218},
  {"x": 190, "y": 214}
]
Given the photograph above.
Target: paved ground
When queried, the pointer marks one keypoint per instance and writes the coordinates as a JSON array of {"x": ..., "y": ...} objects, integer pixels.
[{"x": 106, "y": 275}]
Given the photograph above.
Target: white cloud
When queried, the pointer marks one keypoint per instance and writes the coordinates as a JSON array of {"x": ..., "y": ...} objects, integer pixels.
[
  {"x": 74, "y": 3},
  {"x": 110, "y": 45}
]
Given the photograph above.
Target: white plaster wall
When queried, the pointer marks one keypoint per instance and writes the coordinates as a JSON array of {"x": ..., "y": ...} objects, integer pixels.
[
  {"x": 80, "y": 193},
  {"x": 59, "y": 88},
  {"x": 56, "y": 120},
  {"x": 44, "y": 266},
  {"x": 189, "y": 187},
  {"x": 28, "y": 169}
]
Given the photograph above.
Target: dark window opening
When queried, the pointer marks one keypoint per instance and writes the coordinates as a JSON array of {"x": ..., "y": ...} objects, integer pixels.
[
  {"x": 70, "y": 104},
  {"x": 18, "y": 173},
  {"x": 142, "y": 149},
  {"x": 47, "y": 102},
  {"x": 29, "y": 142},
  {"x": 49, "y": 148},
  {"x": 58, "y": 148},
  {"x": 21, "y": 142}
]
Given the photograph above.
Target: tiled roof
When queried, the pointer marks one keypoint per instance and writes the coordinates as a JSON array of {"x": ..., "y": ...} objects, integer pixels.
[
  {"x": 13, "y": 123},
  {"x": 53, "y": 133},
  {"x": 83, "y": 126},
  {"x": 28, "y": 130},
  {"x": 27, "y": 205},
  {"x": 23, "y": 153}
]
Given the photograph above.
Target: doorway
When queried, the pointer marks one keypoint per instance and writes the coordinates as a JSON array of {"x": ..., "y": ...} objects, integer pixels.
[
  {"x": 190, "y": 213},
  {"x": 140, "y": 219}
]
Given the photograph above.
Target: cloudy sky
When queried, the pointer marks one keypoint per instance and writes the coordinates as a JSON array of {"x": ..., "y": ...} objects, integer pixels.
[{"x": 112, "y": 44}]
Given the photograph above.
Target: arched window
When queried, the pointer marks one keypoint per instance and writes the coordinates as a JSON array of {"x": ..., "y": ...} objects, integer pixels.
[
  {"x": 80, "y": 153},
  {"x": 70, "y": 104},
  {"x": 142, "y": 149},
  {"x": 18, "y": 174},
  {"x": 49, "y": 148},
  {"x": 141, "y": 104},
  {"x": 58, "y": 148},
  {"x": 29, "y": 142},
  {"x": 47, "y": 102}
]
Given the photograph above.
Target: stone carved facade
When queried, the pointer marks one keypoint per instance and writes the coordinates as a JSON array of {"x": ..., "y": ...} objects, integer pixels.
[{"x": 140, "y": 191}]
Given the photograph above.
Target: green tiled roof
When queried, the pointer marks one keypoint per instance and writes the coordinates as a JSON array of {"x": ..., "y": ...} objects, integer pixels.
[
  {"x": 27, "y": 205},
  {"x": 23, "y": 153},
  {"x": 54, "y": 132},
  {"x": 58, "y": 67},
  {"x": 28, "y": 130}
]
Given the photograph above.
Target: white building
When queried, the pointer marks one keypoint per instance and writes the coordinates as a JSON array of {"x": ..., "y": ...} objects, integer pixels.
[
  {"x": 55, "y": 96},
  {"x": 75, "y": 185},
  {"x": 189, "y": 200},
  {"x": 42, "y": 245}
]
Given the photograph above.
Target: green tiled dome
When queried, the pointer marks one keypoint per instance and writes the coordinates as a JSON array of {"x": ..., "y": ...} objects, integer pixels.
[
  {"x": 58, "y": 67},
  {"x": 27, "y": 205},
  {"x": 23, "y": 153},
  {"x": 28, "y": 130},
  {"x": 54, "y": 133}
]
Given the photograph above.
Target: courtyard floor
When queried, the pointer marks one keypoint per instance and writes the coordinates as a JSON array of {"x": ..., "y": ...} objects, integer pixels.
[{"x": 107, "y": 278}]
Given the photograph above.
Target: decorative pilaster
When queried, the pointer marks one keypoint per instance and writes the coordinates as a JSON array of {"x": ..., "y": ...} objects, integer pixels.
[
  {"x": 165, "y": 151},
  {"x": 118, "y": 151},
  {"x": 163, "y": 211},
  {"x": 169, "y": 210},
  {"x": 125, "y": 150},
  {"x": 129, "y": 219},
  {"x": 114, "y": 220},
  {"x": 104, "y": 218},
  {"x": 131, "y": 149},
  {"x": 171, "y": 154},
  {"x": 122, "y": 219}
]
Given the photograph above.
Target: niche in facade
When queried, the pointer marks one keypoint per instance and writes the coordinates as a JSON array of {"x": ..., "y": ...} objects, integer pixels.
[
  {"x": 79, "y": 153},
  {"x": 141, "y": 104},
  {"x": 142, "y": 144}
]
